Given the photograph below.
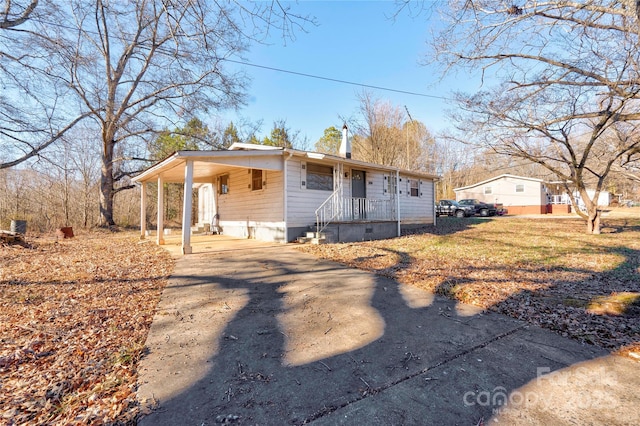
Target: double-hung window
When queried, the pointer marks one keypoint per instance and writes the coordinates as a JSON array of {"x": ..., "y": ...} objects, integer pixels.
[{"x": 414, "y": 187}]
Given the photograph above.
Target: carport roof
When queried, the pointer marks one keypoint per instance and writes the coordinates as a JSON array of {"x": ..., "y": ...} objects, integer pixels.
[{"x": 208, "y": 163}]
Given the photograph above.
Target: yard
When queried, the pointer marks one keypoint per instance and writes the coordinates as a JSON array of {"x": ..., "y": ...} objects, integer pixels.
[
  {"x": 74, "y": 314},
  {"x": 545, "y": 271}
]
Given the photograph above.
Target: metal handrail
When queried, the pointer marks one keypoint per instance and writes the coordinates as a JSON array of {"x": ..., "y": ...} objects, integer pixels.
[
  {"x": 327, "y": 208},
  {"x": 352, "y": 209}
]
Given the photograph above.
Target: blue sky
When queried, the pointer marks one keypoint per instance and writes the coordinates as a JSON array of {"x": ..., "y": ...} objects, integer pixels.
[{"x": 355, "y": 41}]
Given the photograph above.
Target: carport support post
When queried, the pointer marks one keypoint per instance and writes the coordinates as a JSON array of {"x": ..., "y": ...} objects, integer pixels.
[
  {"x": 143, "y": 210},
  {"x": 160, "y": 236},
  {"x": 187, "y": 207}
]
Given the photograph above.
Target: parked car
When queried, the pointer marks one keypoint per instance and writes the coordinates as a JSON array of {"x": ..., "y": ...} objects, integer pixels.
[
  {"x": 480, "y": 208},
  {"x": 501, "y": 210},
  {"x": 452, "y": 208}
]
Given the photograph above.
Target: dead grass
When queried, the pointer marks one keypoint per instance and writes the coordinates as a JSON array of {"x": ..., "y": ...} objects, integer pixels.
[
  {"x": 74, "y": 316},
  {"x": 544, "y": 271}
]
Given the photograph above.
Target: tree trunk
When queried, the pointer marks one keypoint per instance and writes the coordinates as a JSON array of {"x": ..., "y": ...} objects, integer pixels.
[
  {"x": 106, "y": 186},
  {"x": 593, "y": 221}
]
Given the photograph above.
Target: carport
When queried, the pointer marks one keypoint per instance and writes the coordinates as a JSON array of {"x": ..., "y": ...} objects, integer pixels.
[{"x": 193, "y": 168}]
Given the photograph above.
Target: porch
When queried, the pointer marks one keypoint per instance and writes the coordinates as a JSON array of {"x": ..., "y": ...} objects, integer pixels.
[
  {"x": 208, "y": 243},
  {"x": 352, "y": 210},
  {"x": 195, "y": 169}
]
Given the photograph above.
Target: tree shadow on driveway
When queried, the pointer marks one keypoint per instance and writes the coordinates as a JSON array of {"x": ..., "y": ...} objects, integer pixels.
[{"x": 275, "y": 336}]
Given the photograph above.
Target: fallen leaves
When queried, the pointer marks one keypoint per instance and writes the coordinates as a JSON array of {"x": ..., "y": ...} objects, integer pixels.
[{"x": 74, "y": 316}]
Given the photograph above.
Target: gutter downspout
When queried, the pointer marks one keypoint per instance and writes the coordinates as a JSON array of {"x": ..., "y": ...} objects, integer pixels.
[
  {"x": 398, "y": 200},
  {"x": 433, "y": 184},
  {"x": 285, "y": 196}
]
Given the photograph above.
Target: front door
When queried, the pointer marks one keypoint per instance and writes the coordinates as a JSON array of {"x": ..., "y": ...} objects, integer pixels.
[{"x": 359, "y": 194}]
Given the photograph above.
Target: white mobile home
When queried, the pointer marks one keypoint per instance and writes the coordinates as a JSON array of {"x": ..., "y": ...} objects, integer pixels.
[
  {"x": 519, "y": 195},
  {"x": 277, "y": 194},
  {"x": 525, "y": 195}
]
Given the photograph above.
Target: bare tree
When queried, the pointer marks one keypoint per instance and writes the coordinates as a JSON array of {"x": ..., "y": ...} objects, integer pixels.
[
  {"x": 16, "y": 13},
  {"x": 133, "y": 65},
  {"x": 32, "y": 116},
  {"x": 377, "y": 136},
  {"x": 385, "y": 134},
  {"x": 83, "y": 159},
  {"x": 283, "y": 136},
  {"x": 569, "y": 84},
  {"x": 421, "y": 147}
]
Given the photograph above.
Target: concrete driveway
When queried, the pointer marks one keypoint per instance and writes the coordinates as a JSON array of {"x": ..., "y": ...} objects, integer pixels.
[{"x": 252, "y": 333}]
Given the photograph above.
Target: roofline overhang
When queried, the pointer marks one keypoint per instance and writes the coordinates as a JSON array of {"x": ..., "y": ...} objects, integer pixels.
[
  {"x": 180, "y": 157},
  {"x": 496, "y": 178}
]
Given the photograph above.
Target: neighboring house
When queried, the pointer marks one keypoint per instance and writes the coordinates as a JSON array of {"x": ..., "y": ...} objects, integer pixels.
[
  {"x": 277, "y": 194},
  {"x": 519, "y": 195},
  {"x": 524, "y": 195}
]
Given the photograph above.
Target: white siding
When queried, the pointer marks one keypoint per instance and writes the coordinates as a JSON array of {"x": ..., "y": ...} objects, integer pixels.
[
  {"x": 375, "y": 185},
  {"x": 503, "y": 191},
  {"x": 415, "y": 210},
  {"x": 243, "y": 204},
  {"x": 302, "y": 202},
  {"x": 470, "y": 193}
]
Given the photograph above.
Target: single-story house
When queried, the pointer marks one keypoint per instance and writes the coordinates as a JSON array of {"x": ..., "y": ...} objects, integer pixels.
[
  {"x": 277, "y": 194},
  {"x": 519, "y": 195},
  {"x": 524, "y": 195}
]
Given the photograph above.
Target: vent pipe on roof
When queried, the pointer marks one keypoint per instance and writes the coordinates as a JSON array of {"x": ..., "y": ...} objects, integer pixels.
[{"x": 345, "y": 145}]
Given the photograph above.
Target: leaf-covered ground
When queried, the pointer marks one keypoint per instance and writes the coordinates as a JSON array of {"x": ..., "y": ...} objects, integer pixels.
[
  {"x": 544, "y": 271},
  {"x": 74, "y": 316}
]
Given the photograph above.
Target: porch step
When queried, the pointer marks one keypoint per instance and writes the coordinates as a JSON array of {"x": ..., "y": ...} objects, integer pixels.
[
  {"x": 316, "y": 238},
  {"x": 196, "y": 230}
]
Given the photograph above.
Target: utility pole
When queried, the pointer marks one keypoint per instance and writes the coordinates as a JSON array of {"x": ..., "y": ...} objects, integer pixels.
[{"x": 407, "y": 143}]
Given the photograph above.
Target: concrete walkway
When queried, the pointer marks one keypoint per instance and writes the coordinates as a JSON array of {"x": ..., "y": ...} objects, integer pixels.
[{"x": 251, "y": 333}]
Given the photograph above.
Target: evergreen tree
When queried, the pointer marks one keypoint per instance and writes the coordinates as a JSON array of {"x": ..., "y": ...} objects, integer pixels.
[{"x": 329, "y": 143}]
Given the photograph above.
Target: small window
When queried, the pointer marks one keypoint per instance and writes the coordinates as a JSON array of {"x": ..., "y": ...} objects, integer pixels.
[
  {"x": 256, "y": 179},
  {"x": 487, "y": 190},
  {"x": 520, "y": 188},
  {"x": 319, "y": 177},
  {"x": 392, "y": 185},
  {"x": 223, "y": 184},
  {"x": 414, "y": 186}
]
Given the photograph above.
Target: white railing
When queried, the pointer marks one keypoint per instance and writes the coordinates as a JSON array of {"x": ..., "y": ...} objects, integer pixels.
[
  {"x": 328, "y": 211},
  {"x": 560, "y": 199},
  {"x": 349, "y": 209}
]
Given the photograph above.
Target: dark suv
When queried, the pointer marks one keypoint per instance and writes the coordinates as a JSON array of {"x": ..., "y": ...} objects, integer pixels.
[
  {"x": 482, "y": 209},
  {"x": 452, "y": 208}
]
